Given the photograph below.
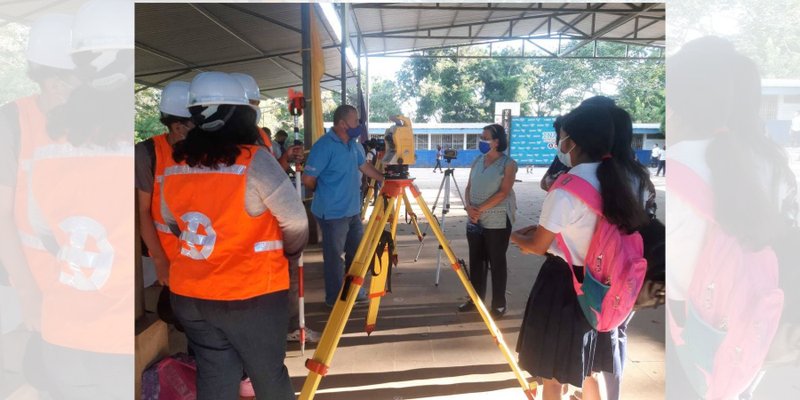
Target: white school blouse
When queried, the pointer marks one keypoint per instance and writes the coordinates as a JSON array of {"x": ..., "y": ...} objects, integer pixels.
[{"x": 564, "y": 213}]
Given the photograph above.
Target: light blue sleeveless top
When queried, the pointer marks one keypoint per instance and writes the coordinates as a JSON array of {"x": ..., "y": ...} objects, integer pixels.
[{"x": 484, "y": 183}]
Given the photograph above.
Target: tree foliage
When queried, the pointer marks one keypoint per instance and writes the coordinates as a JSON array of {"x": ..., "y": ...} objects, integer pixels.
[{"x": 449, "y": 90}]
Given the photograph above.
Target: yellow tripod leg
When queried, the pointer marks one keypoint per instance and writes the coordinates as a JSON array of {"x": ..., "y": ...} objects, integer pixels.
[
  {"x": 318, "y": 365},
  {"x": 377, "y": 287},
  {"x": 370, "y": 192},
  {"x": 367, "y": 198},
  {"x": 529, "y": 388},
  {"x": 414, "y": 222}
]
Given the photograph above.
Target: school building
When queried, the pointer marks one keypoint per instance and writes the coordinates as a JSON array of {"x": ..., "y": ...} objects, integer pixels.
[{"x": 464, "y": 138}]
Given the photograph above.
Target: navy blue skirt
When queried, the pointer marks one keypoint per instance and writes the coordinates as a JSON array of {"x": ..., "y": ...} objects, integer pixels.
[{"x": 556, "y": 341}]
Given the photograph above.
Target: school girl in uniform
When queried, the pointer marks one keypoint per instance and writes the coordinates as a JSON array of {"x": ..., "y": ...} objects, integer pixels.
[{"x": 556, "y": 342}]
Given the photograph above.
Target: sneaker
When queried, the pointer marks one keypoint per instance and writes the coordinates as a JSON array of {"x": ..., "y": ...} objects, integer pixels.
[
  {"x": 246, "y": 388},
  {"x": 311, "y": 336}
]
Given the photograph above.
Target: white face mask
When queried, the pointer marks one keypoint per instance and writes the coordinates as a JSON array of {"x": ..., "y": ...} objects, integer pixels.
[{"x": 565, "y": 158}]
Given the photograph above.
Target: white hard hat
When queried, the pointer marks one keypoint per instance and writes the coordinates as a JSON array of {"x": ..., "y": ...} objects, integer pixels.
[
  {"x": 49, "y": 41},
  {"x": 174, "y": 99},
  {"x": 210, "y": 88},
  {"x": 249, "y": 84},
  {"x": 104, "y": 25}
]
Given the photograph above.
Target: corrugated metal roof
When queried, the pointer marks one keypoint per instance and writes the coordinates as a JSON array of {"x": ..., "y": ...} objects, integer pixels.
[{"x": 176, "y": 41}]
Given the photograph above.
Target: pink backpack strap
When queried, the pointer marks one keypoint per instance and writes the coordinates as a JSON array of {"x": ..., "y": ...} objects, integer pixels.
[
  {"x": 563, "y": 246},
  {"x": 689, "y": 186},
  {"x": 582, "y": 189}
]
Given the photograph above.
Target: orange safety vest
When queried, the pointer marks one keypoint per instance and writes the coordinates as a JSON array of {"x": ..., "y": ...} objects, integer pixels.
[
  {"x": 80, "y": 197},
  {"x": 33, "y": 134},
  {"x": 225, "y": 254},
  {"x": 267, "y": 140},
  {"x": 163, "y": 153}
]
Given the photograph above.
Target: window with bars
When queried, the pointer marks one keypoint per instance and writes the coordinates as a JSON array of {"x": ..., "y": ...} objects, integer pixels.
[
  {"x": 421, "y": 142},
  {"x": 769, "y": 107},
  {"x": 472, "y": 141}
]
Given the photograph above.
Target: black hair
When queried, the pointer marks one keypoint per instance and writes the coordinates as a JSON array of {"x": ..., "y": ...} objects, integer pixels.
[
  {"x": 601, "y": 101},
  {"x": 499, "y": 134},
  {"x": 591, "y": 127},
  {"x": 621, "y": 148},
  {"x": 557, "y": 127},
  {"x": 341, "y": 112},
  {"x": 169, "y": 119},
  {"x": 39, "y": 73},
  {"x": 223, "y": 146},
  {"x": 717, "y": 96},
  {"x": 281, "y": 133}
]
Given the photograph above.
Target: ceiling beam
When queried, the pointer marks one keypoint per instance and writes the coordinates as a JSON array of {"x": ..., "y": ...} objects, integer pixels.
[
  {"x": 203, "y": 10},
  {"x": 608, "y": 28},
  {"x": 488, "y": 7},
  {"x": 261, "y": 16},
  {"x": 228, "y": 62},
  {"x": 533, "y": 37}
]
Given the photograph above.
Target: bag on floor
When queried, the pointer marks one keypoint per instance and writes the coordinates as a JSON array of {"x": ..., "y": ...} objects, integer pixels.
[
  {"x": 614, "y": 268},
  {"x": 172, "y": 378}
]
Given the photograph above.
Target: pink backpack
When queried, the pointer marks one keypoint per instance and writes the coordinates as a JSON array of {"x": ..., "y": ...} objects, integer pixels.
[
  {"x": 172, "y": 378},
  {"x": 614, "y": 268},
  {"x": 733, "y": 305}
]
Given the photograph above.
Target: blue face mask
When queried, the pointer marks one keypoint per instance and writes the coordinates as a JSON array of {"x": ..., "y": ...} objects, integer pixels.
[
  {"x": 353, "y": 133},
  {"x": 484, "y": 146}
]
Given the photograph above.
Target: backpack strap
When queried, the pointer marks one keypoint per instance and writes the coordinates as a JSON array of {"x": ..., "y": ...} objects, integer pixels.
[
  {"x": 690, "y": 187},
  {"x": 582, "y": 189},
  {"x": 563, "y": 246}
]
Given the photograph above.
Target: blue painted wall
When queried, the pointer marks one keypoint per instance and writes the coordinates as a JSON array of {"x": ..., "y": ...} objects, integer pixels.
[{"x": 427, "y": 159}]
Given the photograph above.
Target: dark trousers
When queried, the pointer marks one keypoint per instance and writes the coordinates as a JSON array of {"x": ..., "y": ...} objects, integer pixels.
[
  {"x": 489, "y": 248},
  {"x": 231, "y": 336},
  {"x": 662, "y": 168},
  {"x": 438, "y": 165}
]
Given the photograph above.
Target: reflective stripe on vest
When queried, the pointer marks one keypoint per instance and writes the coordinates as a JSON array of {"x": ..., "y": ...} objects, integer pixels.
[
  {"x": 222, "y": 169},
  {"x": 162, "y": 227},
  {"x": 268, "y": 246}
]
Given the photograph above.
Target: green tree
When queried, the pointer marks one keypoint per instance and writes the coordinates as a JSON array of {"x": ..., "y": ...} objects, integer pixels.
[
  {"x": 384, "y": 100},
  {"x": 147, "y": 119},
  {"x": 641, "y": 90},
  {"x": 13, "y": 74}
]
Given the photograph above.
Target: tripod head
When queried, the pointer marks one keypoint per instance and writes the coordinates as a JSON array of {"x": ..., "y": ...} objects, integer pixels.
[{"x": 396, "y": 171}]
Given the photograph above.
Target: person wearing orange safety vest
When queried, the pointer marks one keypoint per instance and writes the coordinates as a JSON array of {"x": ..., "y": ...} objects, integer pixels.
[
  {"x": 239, "y": 221},
  {"x": 151, "y": 157},
  {"x": 25, "y": 263},
  {"x": 77, "y": 209}
]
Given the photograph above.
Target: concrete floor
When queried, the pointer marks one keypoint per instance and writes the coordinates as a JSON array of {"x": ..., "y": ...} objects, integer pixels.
[{"x": 424, "y": 349}]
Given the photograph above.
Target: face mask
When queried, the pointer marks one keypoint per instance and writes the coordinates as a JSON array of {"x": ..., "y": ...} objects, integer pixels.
[
  {"x": 484, "y": 146},
  {"x": 353, "y": 133},
  {"x": 565, "y": 158}
]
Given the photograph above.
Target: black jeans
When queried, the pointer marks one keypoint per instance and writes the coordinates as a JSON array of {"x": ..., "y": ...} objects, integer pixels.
[
  {"x": 662, "y": 168},
  {"x": 231, "y": 336},
  {"x": 489, "y": 248}
]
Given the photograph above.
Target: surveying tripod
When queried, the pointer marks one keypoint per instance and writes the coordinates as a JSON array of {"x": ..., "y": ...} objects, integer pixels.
[
  {"x": 387, "y": 210},
  {"x": 409, "y": 211},
  {"x": 448, "y": 176}
]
